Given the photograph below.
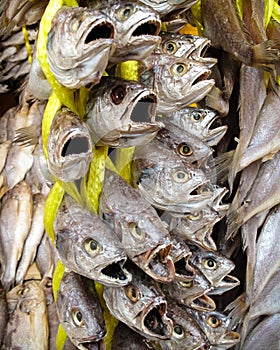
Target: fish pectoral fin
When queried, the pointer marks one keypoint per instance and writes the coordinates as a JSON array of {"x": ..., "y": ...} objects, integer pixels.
[{"x": 26, "y": 136}]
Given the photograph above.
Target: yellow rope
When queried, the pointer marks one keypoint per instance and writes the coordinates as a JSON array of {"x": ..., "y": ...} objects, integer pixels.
[{"x": 27, "y": 43}]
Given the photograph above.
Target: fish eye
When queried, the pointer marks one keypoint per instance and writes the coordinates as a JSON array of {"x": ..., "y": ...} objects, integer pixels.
[
  {"x": 195, "y": 216},
  {"x": 178, "y": 331},
  {"x": 91, "y": 246},
  {"x": 213, "y": 321},
  {"x": 180, "y": 176},
  {"x": 132, "y": 293},
  {"x": 197, "y": 117},
  {"x": 185, "y": 284},
  {"x": 135, "y": 230},
  {"x": 77, "y": 317},
  {"x": 170, "y": 47},
  {"x": 184, "y": 149},
  {"x": 210, "y": 264},
  {"x": 23, "y": 291},
  {"x": 179, "y": 68},
  {"x": 125, "y": 12},
  {"x": 118, "y": 94}
]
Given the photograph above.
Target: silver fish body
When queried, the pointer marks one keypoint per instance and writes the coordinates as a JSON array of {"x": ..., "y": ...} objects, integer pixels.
[
  {"x": 88, "y": 246},
  {"x": 121, "y": 113},
  {"x": 166, "y": 182},
  {"x": 185, "y": 46},
  {"x": 142, "y": 234},
  {"x": 28, "y": 324},
  {"x": 177, "y": 81},
  {"x": 79, "y": 310},
  {"x": 79, "y": 45},
  {"x": 198, "y": 121},
  {"x": 216, "y": 327},
  {"x": 141, "y": 305},
  {"x": 69, "y": 147},
  {"x": 137, "y": 28}
]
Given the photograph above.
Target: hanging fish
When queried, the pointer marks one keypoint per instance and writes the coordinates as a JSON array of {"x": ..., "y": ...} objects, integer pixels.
[
  {"x": 79, "y": 45},
  {"x": 143, "y": 235},
  {"x": 69, "y": 146},
  {"x": 141, "y": 305},
  {"x": 178, "y": 82},
  {"x": 166, "y": 181},
  {"x": 165, "y": 6},
  {"x": 121, "y": 113},
  {"x": 79, "y": 310},
  {"x": 216, "y": 327},
  {"x": 88, "y": 246},
  {"x": 199, "y": 122},
  {"x": 125, "y": 338},
  {"x": 137, "y": 28},
  {"x": 186, "y": 46}
]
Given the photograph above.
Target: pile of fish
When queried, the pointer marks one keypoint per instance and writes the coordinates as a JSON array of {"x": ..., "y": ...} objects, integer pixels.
[{"x": 181, "y": 251}]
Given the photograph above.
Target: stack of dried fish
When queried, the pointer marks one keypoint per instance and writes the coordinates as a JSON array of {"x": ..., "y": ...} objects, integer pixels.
[{"x": 146, "y": 197}]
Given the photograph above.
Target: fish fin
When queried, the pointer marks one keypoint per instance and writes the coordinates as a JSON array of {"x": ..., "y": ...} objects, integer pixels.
[
  {"x": 238, "y": 309},
  {"x": 266, "y": 52},
  {"x": 221, "y": 166},
  {"x": 233, "y": 223},
  {"x": 26, "y": 136}
]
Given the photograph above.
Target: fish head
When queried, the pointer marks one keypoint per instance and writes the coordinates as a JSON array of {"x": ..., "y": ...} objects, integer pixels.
[
  {"x": 177, "y": 81},
  {"x": 186, "y": 145},
  {"x": 137, "y": 30},
  {"x": 141, "y": 305},
  {"x": 88, "y": 246},
  {"x": 79, "y": 310},
  {"x": 216, "y": 327},
  {"x": 121, "y": 113},
  {"x": 214, "y": 265},
  {"x": 200, "y": 122},
  {"x": 79, "y": 45},
  {"x": 69, "y": 147}
]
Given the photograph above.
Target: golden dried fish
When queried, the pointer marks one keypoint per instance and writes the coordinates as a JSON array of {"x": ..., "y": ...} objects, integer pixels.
[
  {"x": 166, "y": 181},
  {"x": 79, "y": 310},
  {"x": 177, "y": 81},
  {"x": 46, "y": 257},
  {"x": 192, "y": 294},
  {"x": 186, "y": 333},
  {"x": 88, "y": 246},
  {"x": 137, "y": 28},
  {"x": 79, "y": 46},
  {"x": 69, "y": 146},
  {"x": 183, "y": 143},
  {"x": 141, "y": 305},
  {"x": 28, "y": 324},
  {"x": 33, "y": 239},
  {"x": 15, "y": 222},
  {"x": 216, "y": 268},
  {"x": 187, "y": 46},
  {"x": 226, "y": 30},
  {"x": 142, "y": 234},
  {"x": 121, "y": 113},
  {"x": 216, "y": 327},
  {"x": 199, "y": 122}
]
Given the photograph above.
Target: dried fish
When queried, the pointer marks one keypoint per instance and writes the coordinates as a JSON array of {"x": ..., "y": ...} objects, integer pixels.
[
  {"x": 79, "y": 310},
  {"x": 88, "y": 246},
  {"x": 143, "y": 235},
  {"x": 121, "y": 113},
  {"x": 141, "y": 305},
  {"x": 165, "y": 6},
  {"x": 125, "y": 338}
]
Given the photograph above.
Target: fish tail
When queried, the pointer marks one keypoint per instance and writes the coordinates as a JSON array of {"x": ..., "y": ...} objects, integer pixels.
[
  {"x": 233, "y": 224},
  {"x": 221, "y": 166},
  {"x": 26, "y": 136},
  {"x": 266, "y": 52},
  {"x": 238, "y": 309}
]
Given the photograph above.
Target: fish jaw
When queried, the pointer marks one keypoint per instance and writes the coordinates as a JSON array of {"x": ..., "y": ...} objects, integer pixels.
[
  {"x": 114, "y": 274},
  {"x": 157, "y": 263},
  {"x": 203, "y": 303},
  {"x": 154, "y": 320},
  {"x": 227, "y": 283}
]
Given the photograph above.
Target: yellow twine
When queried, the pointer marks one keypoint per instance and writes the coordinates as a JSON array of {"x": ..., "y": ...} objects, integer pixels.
[{"x": 27, "y": 43}]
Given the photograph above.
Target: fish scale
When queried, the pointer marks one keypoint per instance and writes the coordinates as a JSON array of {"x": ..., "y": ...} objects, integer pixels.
[{"x": 200, "y": 231}]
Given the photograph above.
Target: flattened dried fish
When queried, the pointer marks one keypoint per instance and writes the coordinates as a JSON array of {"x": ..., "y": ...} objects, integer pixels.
[
  {"x": 88, "y": 246},
  {"x": 79, "y": 310},
  {"x": 79, "y": 45},
  {"x": 141, "y": 305},
  {"x": 121, "y": 113},
  {"x": 142, "y": 234}
]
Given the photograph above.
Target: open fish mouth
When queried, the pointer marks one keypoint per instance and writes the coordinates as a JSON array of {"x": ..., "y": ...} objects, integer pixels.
[
  {"x": 155, "y": 323},
  {"x": 98, "y": 31},
  {"x": 214, "y": 132},
  {"x": 144, "y": 109},
  {"x": 227, "y": 283},
  {"x": 202, "y": 44},
  {"x": 203, "y": 303},
  {"x": 183, "y": 271},
  {"x": 230, "y": 338},
  {"x": 147, "y": 28},
  {"x": 201, "y": 76},
  {"x": 115, "y": 274},
  {"x": 158, "y": 264}
]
